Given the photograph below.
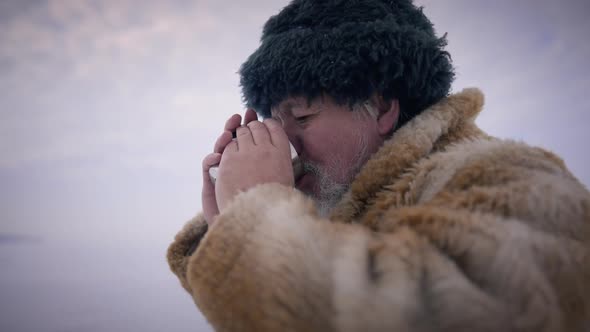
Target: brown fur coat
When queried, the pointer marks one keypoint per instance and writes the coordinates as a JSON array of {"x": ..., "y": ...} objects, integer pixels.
[{"x": 444, "y": 229}]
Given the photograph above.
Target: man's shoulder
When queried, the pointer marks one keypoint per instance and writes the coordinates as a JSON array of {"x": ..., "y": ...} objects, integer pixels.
[
  {"x": 493, "y": 154},
  {"x": 486, "y": 163}
]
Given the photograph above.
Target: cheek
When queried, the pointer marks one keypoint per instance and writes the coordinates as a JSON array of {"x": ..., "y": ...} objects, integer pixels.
[
  {"x": 325, "y": 145},
  {"x": 316, "y": 147},
  {"x": 318, "y": 143},
  {"x": 332, "y": 150}
]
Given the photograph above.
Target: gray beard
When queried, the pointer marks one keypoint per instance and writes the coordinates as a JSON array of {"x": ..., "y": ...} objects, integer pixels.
[{"x": 331, "y": 191}]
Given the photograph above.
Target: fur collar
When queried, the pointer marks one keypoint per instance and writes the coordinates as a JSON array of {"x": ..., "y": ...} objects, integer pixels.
[{"x": 449, "y": 121}]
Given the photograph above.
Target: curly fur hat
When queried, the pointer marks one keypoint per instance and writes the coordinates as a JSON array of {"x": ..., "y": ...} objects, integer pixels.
[{"x": 348, "y": 49}]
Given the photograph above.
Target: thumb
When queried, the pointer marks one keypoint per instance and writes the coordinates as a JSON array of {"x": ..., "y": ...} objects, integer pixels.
[
  {"x": 209, "y": 161},
  {"x": 208, "y": 199}
]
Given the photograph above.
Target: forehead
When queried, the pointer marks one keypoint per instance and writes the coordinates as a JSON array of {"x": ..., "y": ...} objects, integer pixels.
[
  {"x": 289, "y": 104},
  {"x": 304, "y": 104}
]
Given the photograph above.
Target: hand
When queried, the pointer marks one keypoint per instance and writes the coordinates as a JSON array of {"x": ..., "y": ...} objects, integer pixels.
[
  {"x": 260, "y": 154},
  {"x": 210, "y": 209}
]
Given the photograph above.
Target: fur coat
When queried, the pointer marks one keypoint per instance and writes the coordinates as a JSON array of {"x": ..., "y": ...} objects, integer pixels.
[{"x": 444, "y": 229}]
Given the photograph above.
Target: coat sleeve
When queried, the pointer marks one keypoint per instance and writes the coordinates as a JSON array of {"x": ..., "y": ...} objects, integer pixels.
[
  {"x": 270, "y": 263},
  {"x": 184, "y": 245}
]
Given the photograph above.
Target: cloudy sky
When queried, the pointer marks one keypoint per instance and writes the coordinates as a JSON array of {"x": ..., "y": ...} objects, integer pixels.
[{"x": 107, "y": 107}]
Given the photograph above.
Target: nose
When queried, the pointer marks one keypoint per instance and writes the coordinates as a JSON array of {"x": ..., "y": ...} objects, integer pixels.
[{"x": 294, "y": 135}]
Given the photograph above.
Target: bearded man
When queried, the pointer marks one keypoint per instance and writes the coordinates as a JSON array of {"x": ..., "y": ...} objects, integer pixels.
[{"x": 407, "y": 218}]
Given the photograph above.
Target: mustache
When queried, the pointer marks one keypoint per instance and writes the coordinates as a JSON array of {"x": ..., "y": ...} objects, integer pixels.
[{"x": 310, "y": 167}]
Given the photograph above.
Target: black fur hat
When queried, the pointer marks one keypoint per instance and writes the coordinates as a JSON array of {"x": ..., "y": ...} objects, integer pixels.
[{"x": 348, "y": 49}]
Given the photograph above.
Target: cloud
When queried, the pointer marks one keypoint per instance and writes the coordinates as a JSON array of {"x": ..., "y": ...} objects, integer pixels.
[{"x": 82, "y": 79}]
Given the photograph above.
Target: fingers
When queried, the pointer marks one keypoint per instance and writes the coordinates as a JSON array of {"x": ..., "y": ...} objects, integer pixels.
[
  {"x": 208, "y": 199},
  {"x": 250, "y": 116},
  {"x": 209, "y": 161},
  {"x": 230, "y": 126},
  {"x": 244, "y": 138},
  {"x": 260, "y": 133},
  {"x": 278, "y": 136},
  {"x": 255, "y": 133},
  {"x": 247, "y": 135},
  {"x": 232, "y": 123},
  {"x": 232, "y": 146},
  {"x": 222, "y": 141}
]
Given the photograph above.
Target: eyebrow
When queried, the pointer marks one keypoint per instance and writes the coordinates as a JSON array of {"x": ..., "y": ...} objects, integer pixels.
[{"x": 286, "y": 107}]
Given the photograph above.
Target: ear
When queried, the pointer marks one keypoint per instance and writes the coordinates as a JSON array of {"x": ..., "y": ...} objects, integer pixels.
[{"x": 388, "y": 116}]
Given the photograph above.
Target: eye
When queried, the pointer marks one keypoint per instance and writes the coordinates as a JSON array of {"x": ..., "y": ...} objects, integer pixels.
[
  {"x": 303, "y": 119},
  {"x": 279, "y": 119}
]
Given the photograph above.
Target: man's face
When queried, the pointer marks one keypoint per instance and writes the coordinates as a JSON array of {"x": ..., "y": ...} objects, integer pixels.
[{"x": 333, "y": 143}]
